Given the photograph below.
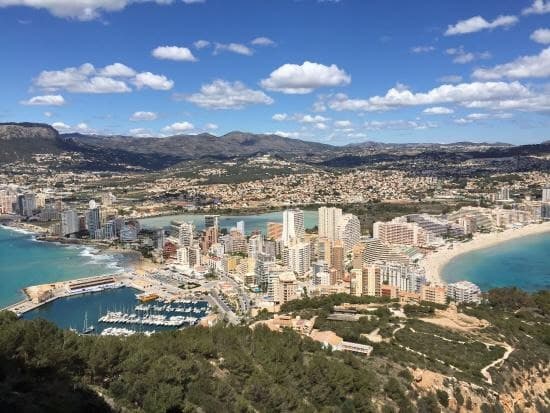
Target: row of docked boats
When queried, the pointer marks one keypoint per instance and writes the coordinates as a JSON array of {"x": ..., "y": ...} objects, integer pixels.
[
  {"x": 122, "y": 332},
  {"x": 117, "y": 317}
]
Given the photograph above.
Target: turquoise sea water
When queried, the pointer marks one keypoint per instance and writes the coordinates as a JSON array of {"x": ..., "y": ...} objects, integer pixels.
[
  {"x": 24, "y": 262},
  {"x": 251, "y": 222},
  {"x": 523, "y": 263}
]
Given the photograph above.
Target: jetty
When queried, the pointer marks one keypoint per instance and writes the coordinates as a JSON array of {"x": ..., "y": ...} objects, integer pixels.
[{"x": 39, "y": 295}]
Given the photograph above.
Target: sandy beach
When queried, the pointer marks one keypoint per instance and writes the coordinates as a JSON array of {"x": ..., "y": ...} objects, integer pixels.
[{"x": 435, "y": 262}]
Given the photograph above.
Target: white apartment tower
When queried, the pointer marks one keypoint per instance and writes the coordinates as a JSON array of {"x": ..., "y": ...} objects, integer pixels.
[
  {"x": 185, "y": 234},
  {"x": 293, "y": 226},
  {"x": 329, "y": 221}
]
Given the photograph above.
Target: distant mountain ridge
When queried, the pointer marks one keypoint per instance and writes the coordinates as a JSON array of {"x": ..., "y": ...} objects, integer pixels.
[{"x": 20, "y": 141}]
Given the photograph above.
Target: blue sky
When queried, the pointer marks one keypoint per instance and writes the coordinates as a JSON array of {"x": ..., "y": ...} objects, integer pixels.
[{"x": 325, "y": 70}]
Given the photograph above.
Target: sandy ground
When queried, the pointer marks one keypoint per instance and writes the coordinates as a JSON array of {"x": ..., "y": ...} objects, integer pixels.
[{"x": 435, "y": 262}]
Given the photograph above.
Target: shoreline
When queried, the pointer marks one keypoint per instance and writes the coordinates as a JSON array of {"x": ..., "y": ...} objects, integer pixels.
[{"x": 434, "y": 263}]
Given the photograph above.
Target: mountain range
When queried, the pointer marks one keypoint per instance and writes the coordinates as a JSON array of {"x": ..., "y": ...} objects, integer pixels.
[{"x": 21, "y": 141}]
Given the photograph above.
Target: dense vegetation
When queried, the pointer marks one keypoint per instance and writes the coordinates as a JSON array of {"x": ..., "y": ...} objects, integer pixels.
[{"x": 227, "y": 368}]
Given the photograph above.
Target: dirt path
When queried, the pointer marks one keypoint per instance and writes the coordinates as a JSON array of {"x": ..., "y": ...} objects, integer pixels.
[{"x": 485, "y": 370}]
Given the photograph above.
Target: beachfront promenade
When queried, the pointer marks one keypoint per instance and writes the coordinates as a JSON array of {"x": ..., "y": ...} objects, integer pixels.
[{"x": 39, "y": 295}]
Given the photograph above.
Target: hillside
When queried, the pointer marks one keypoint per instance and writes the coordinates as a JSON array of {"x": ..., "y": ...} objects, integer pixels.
[
  {"x": 495, "y": 359},
  {"x": 19, "y": 141},
  {"x": 199, "y": 146}
]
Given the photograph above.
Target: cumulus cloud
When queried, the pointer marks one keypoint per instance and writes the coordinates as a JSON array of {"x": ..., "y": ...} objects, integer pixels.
[
  {"x": 142, "y": 115},
  {"x": 305, "y": 78},
  {"x": 538, "y": 7},
  {"x": 83, "y": 10},
  {"x": 461, "y": 56},
  {"x": 45, "y": 100},
  {"x": 150, "y": 80},
  {"x": 182, "y": 54},
  {"x": 310, "y": 118},
  {"x": 80, "y": 127},
  {"x": 541, "y": 36},
  {"x": 82, "y": 79},
  {"x": 178, "y": 127},
  {"x": 233, "y": 48},
  {"x": 463, "y": 93},
  {"x": 117, "y": 70},
  {"x": 438, "y": 110},
  {"x": 478, "y": 23},
  {"x": 536, "y": 66},
  {"x": 201, "y": 44},
  {"x": 109, "y": 79},
  {"x": 263, "y": 41},
  {"x": 221, "y": 94},
  {"x": 211, "y": 126},
  {"x": 279, "y": 117}
]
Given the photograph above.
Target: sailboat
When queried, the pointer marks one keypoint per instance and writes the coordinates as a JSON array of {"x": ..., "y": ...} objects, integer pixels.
[{"x": 87, "y": 329}]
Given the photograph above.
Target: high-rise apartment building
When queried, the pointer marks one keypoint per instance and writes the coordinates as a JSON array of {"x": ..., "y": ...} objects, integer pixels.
[
  {"x": 69, "y": 222},
  {"x": 349, "y": 231},
  {"x": 297, "y": 257},
  {"x": 329, "y": 221},
  {"x": 293, "y": 226},
  {"x": 185, "y": 234}
]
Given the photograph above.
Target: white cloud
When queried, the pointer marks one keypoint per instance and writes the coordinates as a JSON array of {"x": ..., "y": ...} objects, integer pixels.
[
  {"x": 178, "y": 127},
  {"x": 305, "y": 78},
  {"x": 194, "y": 1},
  {"x": 342, "y": 124},
  {"x": 234, "y": 48},
  {"x": 310, "y": 118},
  {"x": 201, "y": 44},
  {"x": 82, "y": 79},
  {"x": 422, "y": 49},
  {"x": 83, "y": 10},
  {"x": 117, "y": 70},
  {"x": 541, "y": 36},
  {"x": 294, "y": 135},
  {"x": 141, "y": 132},
  {"x": 279, "y": 117},
  {"x": 221, "y": 94},
  {"x": 60, "y": 126},
  {"x": 211, "y": 126},
  {"x": 263, "y": 41},
  {"x": 48, "y": 114},
  {"x": 450, "y": 79},
  {"x": 522, "y": 67},
  {"x": 80, "y": 127},
  {"x": 143, "y": 116},
  {"x": 478, "y": 23},
  {"x": 321, "y": 126},
  {"x": 461, "y": 56},
  {"x": 45, "y": 100},
  {"x": 110, "y": 79},
  {"x": 438, "y": 110},
  {"x": 463, "y": 93},
  {"x": 182, "y": 54},
  {"x": 399, "y": 125},
  {"x": 538, "y": 7},
  {"x": 476, "y": 117},
  {"x": 150, "y": 80}
]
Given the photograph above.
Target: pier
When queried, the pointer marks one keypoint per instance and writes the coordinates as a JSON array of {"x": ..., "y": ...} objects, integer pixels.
[{"x": 39, "y": 295}]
